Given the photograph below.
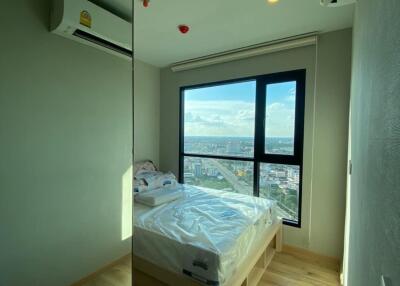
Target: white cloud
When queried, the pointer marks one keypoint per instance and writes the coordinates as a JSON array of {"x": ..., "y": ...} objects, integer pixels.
[
  {"x": 279, "y": 120},
  {"x": 235, "y": 118},
  {"x": 219, "y": 118}
]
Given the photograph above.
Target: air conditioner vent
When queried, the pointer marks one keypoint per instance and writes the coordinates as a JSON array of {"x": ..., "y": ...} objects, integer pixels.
[{"x": 101, "y": 42}]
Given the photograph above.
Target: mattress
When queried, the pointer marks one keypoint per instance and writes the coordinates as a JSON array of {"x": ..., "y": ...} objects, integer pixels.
[{"x": 205, "y": 234}]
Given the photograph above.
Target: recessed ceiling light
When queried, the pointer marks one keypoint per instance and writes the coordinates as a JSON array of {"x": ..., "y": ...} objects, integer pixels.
[{"x": 272, "y": 1}]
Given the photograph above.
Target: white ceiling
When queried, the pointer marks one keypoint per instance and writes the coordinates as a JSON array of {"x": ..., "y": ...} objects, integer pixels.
[
  {"x": 122, "y": 8},
  {"x": 221, "y": 25}
]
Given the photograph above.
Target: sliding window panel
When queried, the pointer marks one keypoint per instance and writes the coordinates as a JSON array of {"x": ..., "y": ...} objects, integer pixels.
[
  {"x": 280, "y": 111},
  {"x": 219, "y": 119},
  {"x": 220, "y": 174},
  {"x": 281, "y": 183}
]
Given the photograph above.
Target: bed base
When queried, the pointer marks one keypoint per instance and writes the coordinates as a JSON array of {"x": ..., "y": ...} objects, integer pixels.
[{"x": 250, "y": 272}]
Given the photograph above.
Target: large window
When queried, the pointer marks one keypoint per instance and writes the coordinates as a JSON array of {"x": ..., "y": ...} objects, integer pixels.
[{"x": 246, "y": 136}]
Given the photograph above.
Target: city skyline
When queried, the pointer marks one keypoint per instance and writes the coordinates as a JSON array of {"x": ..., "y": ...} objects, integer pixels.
[{"x": 240, "y": 146}]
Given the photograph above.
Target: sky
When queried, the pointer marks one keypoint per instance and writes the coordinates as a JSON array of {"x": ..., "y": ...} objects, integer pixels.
[
  {"x": 229, "y": 110},
  {"x": 280, "y": 113}
]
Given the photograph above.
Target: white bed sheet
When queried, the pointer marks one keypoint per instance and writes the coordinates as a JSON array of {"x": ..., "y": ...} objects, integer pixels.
[{"x": 205, "y": 234}]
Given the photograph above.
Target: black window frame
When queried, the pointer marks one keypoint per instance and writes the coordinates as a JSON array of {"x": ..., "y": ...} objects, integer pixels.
[{"x": 260, "y": 156}]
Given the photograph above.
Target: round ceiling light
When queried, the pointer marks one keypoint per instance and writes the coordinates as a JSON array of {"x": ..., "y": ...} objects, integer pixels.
[{"x": 272, "y": 1}]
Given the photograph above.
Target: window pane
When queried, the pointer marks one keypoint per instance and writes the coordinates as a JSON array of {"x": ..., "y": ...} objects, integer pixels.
[
  {"x": 228, "y": 175},
  {"x": 280, "y": 118},
  {"x": 281, "y": 183},
  {"x": 220, "y": 120}
]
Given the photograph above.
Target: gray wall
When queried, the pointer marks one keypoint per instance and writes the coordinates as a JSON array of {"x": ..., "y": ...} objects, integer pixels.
[
  {"x": 147, "y": 112},
  {"x": 374, "y": 247},
  {"x": 65, "y": 144},
  {"x": 330, "y": 146},
  {"x": 325, "y": 135}
]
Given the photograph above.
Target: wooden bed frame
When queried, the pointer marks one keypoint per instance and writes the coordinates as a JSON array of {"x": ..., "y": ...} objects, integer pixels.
[{"x": 249, "y": 273}]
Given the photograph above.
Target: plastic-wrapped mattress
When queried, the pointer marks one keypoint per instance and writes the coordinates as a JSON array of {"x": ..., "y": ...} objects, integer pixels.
[{"x": 205, "y": 234}]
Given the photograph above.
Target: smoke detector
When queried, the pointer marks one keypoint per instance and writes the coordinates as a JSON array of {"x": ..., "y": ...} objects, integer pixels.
[
  {"x": 183, "y": 29},
  {"x": 337, "y": 3}
]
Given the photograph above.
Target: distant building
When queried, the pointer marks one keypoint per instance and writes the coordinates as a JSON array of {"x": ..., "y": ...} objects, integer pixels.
[
  {"x": 188, "y": 175},
  {"x": 233, "y": 147},
  {"x": 197, "y": 169},
  {"x": 212, "y": 172},
  {"x": 280, "y": 174},
  {"x": 240, "y": 173}
]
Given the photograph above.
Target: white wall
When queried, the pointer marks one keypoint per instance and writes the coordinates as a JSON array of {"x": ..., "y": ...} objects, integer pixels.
[
  {"x": 147, "y": 112},
  {"x": 324, "y": 185},
  {"x": 374, "y": 246},
  {"x": 330, "y": 148},
  {"x": 65, "y": 151}
]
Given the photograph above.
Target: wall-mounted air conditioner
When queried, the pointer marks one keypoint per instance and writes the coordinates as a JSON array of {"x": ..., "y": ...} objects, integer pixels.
[
  {"x": 336, "y": 3},
  {"x": 85, "y": 22}
]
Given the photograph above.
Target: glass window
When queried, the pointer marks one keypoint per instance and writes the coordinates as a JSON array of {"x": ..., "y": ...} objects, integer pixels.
[
  {"x": 281, "y": 183},
  {"x": 246, "y": 136},
  {"x": 280, "y": 118},
  {"x": 228, "y": 175},
  {"x": 219, "y": 120}
]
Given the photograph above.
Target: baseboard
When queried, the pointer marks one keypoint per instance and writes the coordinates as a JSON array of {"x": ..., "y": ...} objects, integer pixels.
[{"x": 100, "y": 271}]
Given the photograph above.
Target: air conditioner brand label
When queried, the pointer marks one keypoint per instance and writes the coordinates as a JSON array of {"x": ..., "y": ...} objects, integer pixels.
[{"x": 86, "y": 19}]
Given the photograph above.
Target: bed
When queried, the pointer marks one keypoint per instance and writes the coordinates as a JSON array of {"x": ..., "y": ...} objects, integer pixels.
[{"x": 206, "y": 237}]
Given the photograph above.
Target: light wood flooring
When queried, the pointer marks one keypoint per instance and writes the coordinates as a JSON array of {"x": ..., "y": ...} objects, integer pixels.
[
  {"x": 291, "y": 267},
  {"x": 299, "y": 268},
  {"x": 117, "y": 275}
]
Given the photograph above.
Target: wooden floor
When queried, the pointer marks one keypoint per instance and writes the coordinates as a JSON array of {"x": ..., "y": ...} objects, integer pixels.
[
  {"x": 290, "y": 267},
  {"x": 295, "y": 268},
  {"x": 118, "y": 275}
]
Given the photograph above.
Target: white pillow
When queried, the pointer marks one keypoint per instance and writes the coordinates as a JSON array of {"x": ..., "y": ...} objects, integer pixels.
[{"x": 158, "y": 196}]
